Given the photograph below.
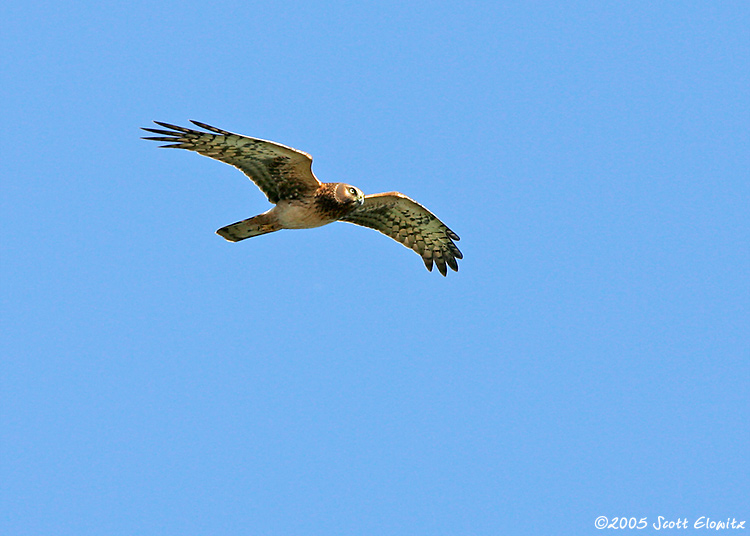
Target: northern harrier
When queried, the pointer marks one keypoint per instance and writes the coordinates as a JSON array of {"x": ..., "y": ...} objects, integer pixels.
[{"x": 302, "y": 201}]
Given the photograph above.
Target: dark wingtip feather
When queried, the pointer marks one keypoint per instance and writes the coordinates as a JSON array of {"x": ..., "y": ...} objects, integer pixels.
[
  {"x": 442, "y": 268},
  {"x": 174, "y": 145},
  {"x": 173, "y": 127},
  {"x": 428, "y": 263},
  {"x": 158, "y": 138},
  {"x": 457, "y": 253},
  {"x": 159, "y": 131},
  {"x": 209, "y": 127},
  {"x": 452, "y": 263}
]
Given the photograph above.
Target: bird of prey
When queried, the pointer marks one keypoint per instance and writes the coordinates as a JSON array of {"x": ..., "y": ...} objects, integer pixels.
[{"x": 302, "y": 201}]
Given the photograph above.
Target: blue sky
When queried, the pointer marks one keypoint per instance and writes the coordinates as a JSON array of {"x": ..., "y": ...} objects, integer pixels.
[{"x": 589, "y": 359}]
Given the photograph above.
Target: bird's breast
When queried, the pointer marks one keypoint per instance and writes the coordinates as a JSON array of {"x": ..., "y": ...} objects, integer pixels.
[{"x": 300, "y": 215}]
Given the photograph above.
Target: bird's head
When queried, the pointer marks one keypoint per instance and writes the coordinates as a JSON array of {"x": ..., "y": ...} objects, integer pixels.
[{"x": 346, "y": 193}]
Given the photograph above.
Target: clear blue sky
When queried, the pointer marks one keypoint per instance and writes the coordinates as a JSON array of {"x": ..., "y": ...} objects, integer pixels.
[{"x": 591, "y": 357}]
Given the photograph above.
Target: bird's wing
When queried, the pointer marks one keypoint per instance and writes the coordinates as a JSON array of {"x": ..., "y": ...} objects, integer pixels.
[
  {"x": 408, "y": 222},
  {"x": 279, "y": 171}
]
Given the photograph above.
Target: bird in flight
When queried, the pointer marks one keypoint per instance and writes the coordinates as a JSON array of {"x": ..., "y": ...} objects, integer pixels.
[{"x": 301, "y": 201}]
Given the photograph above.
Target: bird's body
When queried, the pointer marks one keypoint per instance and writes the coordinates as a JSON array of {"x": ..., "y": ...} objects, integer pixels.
[
  {"x": 302, "y": 202},
  {"x": 297, "y": 215}
]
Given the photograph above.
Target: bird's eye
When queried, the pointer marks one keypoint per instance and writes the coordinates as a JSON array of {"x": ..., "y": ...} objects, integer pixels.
[{"x": 353, "y": 191}]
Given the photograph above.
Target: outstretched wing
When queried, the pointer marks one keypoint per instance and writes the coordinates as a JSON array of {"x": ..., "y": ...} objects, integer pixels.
[
  {"x": 279, "y": 171},
  {"x": 408, "y": 222}
]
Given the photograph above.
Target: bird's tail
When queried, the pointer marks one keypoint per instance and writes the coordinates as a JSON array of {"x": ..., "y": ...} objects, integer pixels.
[{"x": 255, "y": 226}]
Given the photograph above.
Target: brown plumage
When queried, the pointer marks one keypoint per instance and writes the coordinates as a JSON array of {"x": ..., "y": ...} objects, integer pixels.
[{"x": 301, "y": 201}]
